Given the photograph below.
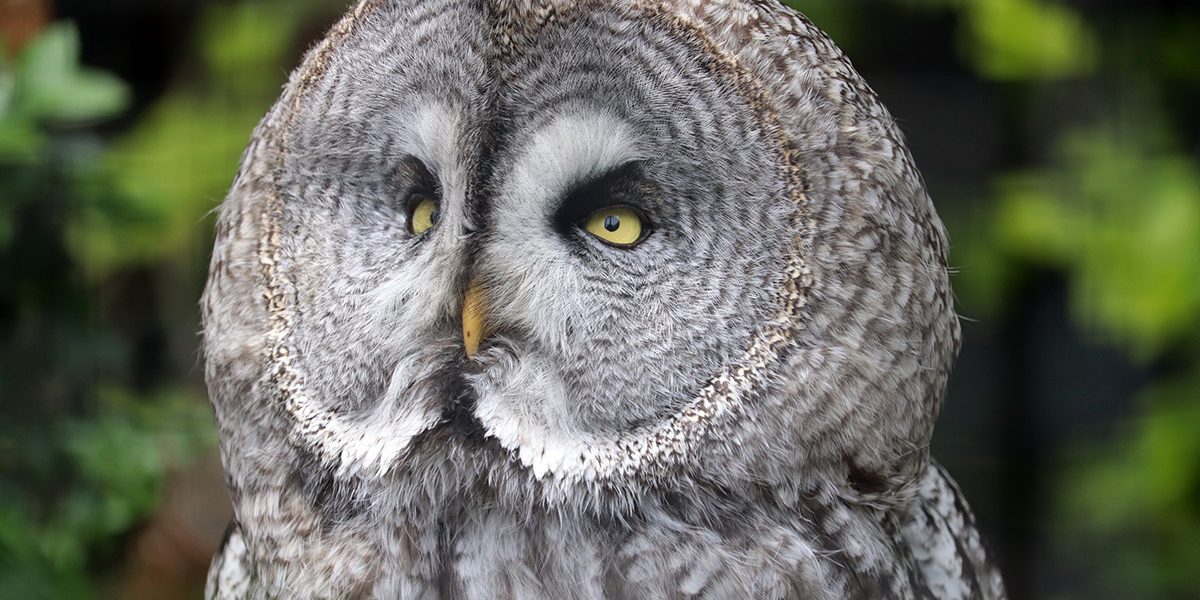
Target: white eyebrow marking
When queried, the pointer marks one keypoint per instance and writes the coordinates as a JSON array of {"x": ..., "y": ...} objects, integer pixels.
[
  {"x": 570, "y": 149},
  {"x": 430, "y": 132}
]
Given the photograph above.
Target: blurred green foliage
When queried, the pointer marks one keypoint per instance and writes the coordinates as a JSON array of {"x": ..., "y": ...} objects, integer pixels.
[
  {"x": 1026, "y": 39},
  {"x": 1120, "y": 215},
  {"x": 47, "y": 85},
  {"x": 104, "y": 472},
  {"x": 78, "y": 470},
  {"x": 87, "y": 445},
  {"x": 1137, "y": 499},
  {"x": 176, "y": 164},
  {"x": 1115, "y": 207}
]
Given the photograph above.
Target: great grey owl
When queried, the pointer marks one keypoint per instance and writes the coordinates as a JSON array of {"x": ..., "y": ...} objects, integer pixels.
[{"x": 583, "y": 299}]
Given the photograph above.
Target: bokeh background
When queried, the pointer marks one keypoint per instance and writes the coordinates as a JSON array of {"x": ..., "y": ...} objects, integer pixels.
[{"x": 1060, "y": 140}]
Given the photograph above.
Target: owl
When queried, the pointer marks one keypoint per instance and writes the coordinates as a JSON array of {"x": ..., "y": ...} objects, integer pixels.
[{"x": 583, "y": 299}]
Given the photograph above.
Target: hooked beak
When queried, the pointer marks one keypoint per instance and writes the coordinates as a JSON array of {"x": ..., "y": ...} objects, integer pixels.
[{"x": 474, "y": 326}]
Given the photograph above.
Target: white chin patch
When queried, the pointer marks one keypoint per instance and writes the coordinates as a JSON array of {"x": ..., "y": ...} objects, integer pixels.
[
  {"x": 371, "y": 443},
  {"x": 514, "y": 400}
]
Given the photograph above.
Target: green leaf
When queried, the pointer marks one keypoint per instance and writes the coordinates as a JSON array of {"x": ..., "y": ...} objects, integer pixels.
[
  {"x": 1121, "y": 216},
  {"x": 161, "y": 181},
  {"x": 1136, "y": 495},
  {"x": 1027, "y": 39},
  {"x": 165, "y": 176},
  {"x": 51, "y": 85}
]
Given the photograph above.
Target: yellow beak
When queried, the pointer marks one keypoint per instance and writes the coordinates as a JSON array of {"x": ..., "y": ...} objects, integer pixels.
[{"x": 473, "y": 325}]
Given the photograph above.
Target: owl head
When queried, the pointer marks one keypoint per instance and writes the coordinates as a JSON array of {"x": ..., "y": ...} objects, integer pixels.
[{"x": 581, "y": 253}]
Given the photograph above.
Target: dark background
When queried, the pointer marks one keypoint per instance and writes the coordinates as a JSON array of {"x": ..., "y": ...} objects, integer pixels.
[{"x": 1059, "y": 139}]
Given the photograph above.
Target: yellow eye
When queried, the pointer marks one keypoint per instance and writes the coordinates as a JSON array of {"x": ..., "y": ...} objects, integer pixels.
[
  {"x": 615, "y": 225},
  {"x": 423, "y": 214}
]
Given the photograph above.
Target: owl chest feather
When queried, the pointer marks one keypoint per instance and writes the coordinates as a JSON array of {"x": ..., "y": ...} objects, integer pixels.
[{"x": 817, "y": 549}]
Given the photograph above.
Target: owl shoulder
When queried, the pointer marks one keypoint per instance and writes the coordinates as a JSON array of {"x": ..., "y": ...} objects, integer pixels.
[
  {"x": 939, "y": 529},
  {"x": 230, "y": 575}
]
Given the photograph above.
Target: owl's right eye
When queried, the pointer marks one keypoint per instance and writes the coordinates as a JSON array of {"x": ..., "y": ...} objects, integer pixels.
[{"x": 423, "y": 213}]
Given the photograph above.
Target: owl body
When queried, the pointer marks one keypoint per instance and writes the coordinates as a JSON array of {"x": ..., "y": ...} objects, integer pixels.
[
  {"x": 567, "y": 299},
  {"x": 811, "y": 546}
]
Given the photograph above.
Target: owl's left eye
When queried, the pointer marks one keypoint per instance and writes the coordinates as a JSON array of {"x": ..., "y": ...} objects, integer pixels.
[
  {"x": 423, "y": 213},
  {"x": 619, "y": 226}
]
